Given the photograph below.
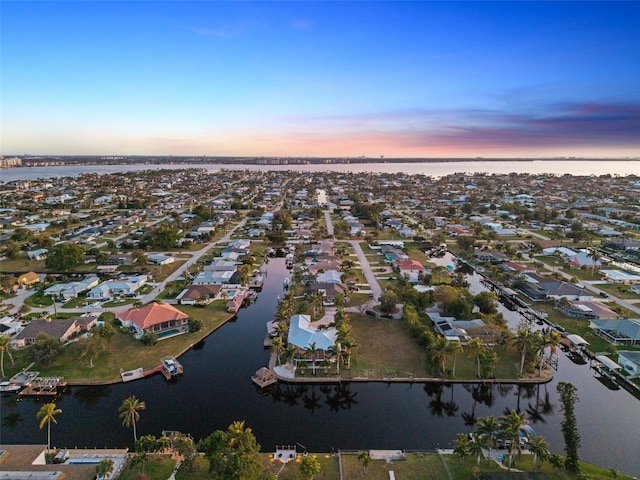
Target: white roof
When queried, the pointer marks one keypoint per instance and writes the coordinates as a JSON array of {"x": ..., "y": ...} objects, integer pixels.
[
  {"x": 607, "y": 362},
  {"x": 302, "y": 334},
  {"x": 577, "y": 340}
]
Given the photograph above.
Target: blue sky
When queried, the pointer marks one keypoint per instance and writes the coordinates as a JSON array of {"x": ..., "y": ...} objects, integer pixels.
[{"x": 399, "y": 79}]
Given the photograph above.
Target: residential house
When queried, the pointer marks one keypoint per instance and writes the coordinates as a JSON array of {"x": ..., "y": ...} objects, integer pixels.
[
  {"x": 69, "y": 290},
  {"x": 630, "y": 361},
  {"x": 588, "y": 310},
  {"x": 618, "y": 332},
  {"x": 198, "y": 294},
  {"x": 584, "y": 260},
  {"x": 28, "y": 279},
  {"x": 219, "y": 265},
  {"x": 61, "y": 329},
  {"x": 620, "y": 277},
  {"x": 329, "y": 291},
  {"x": 160, "y": 259},
  {"x": 490, "y": 256},
  {"x": 213, "y": 278},
  {"x": 330, "y": 276},
  {"x": 412, "y": 270},
  {"x": 39, "y": 254},
  {"x": 303, "y": 334},
  {"x": 120, "y": 259},
  {"x": 538, "y": 287},
  {"x": 119, "y": 287},
  {"x": 158, "y": 318}
]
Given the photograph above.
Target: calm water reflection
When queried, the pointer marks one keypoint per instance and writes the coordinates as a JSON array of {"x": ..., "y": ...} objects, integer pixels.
[{"x": 216, "y": 389}]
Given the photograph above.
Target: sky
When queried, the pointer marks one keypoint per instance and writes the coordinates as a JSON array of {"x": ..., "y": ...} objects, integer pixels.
[{"x": 326, "y": 78}]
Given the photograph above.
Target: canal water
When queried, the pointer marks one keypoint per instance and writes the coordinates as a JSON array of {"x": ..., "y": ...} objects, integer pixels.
[{"x": 216, "y": 389}]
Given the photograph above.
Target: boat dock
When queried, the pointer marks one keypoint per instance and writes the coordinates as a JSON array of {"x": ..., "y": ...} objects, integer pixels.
[
  {"x": 264, "y": 377},
  {"x": 44, "y": 386},
  {"x": 169, "y": 368},
  {"x": 130, "y": 375}
]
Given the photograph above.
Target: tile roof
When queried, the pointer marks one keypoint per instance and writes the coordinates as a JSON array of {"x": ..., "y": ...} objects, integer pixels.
[{"x": 152, "y": 314}]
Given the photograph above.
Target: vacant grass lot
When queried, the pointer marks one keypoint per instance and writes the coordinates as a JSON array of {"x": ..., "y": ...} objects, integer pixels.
[
  {"x": 417, "y": 466},
  {"x": 386, "y": 347}
]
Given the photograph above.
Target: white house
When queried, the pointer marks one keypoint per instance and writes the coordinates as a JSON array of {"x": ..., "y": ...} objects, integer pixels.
[{"x": 630, "y": 361}]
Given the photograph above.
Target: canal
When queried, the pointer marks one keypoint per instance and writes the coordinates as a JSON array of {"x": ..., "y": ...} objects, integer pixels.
[{"x": 216, "y": 389}]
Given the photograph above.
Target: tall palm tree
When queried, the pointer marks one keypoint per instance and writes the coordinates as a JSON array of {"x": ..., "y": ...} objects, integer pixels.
[
  {"x": 455, "y": 348},
  {"x": 335, "y": 351},
  {"x": 475, "y": 446},
  {"x": 47, "y": 414},
  {"x": 4, "y": 345},
  {"x": 312, "y": 351},
  {"x": 487, "y": 427},
  {"x": 475, "y": 350},
  {"x": 510, "y": 424},
  {"x": 540, "y": 449},
  {"x": 523, "y": 342},
  {"x": 129, "y": 413},
  {"x": 277, "y": 347},
  {"x": 549, "y": 339},
  {"x": 438, "y": 353}
]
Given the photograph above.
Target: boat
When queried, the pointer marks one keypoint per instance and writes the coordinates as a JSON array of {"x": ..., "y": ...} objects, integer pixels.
[
  {"x": 8, "y": 387},
  {"x": 171, "y": 368}
]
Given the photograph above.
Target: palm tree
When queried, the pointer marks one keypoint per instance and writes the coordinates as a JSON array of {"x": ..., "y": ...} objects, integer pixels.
[
  {"x": 461, "y": 447},
  {"x": 522, "y": 341},
  {"x": 4, "y": 345},
  {"x": 475, "y": 446},
  {"x": 540, "y": 449},
  {"x": 548, "y": 339},
  {"x": 129, "y": 413},
  {"x": 487, "y": 427},
  {"x": 104, "y": 468},
  {"x": 335, "y": 351},
  {"x": 365, "y": 459},
  {"x": 510, "y": 424},
  {"x": 439, "y": 351},
  {"x": 47, "y": 414},
  {"x": 455, "y": 348},
  {"x": 277, "y": 347},
  {"x": 475, "y": 349},
  {"x": 312, "y": 351}
]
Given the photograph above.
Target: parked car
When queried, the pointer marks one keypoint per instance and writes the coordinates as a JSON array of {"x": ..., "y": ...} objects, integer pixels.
[
  {"x": 386, "y": 315},
  {"x": 372, "y": 313},
  {"x": 604, "y": 294}
]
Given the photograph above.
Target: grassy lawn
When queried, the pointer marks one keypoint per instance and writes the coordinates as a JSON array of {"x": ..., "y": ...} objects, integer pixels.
[
  {"x": 329, "y": 469},
  {"x": 417, "y": 466},
  {"x": 416, "y": 254},
  {"x": 158, "y": 467},
  {"x": 123, "y": 351},
  {"x": 38, "y": 300},
  {"x": 22, "y": 264},
  {"x": 577, "y": 326},
  {"x": 386, "y": 347},
  {"x": 580, "y": 274},
  {"x": 550, "y": 260},
  {"x": 621, "y": 291}
]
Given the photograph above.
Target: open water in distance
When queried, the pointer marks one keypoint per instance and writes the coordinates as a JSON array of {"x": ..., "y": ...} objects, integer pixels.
[
  {"x": 434, "y": 169},
  {"x": 216, "y": 389}
]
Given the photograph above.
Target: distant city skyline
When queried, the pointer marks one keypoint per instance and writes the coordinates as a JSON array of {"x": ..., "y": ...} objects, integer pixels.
[{"x": 393, "y": 79}]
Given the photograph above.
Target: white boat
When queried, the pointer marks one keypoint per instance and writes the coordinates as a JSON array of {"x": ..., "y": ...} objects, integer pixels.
[
  {"x": 10, "y": 387},
  {"x": 171, "y": 367}
]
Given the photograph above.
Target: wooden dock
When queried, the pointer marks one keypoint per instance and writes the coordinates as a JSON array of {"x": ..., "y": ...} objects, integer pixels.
[
  {"x": 44, "y": 386},
  {"x": 161, "y": 369},
  {"x": 264, "y": 377}
]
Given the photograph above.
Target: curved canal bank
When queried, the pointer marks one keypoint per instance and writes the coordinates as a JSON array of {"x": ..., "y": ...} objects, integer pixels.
[{"x": 216, "y": 389}]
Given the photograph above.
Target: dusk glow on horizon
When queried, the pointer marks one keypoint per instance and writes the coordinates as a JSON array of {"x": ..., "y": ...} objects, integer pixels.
[{"x": 302, "y": 78}]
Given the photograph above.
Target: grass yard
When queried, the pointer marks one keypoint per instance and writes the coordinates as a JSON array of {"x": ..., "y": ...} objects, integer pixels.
[
  {"x": 329, "y": 469},
  {"x": 417, "y": 466},
  {"x": 620, "y": 291},
  {"x": 385, "y": 346},
  {"x": 158, "y": 467},
  {"x": 123, "y": 351}
]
